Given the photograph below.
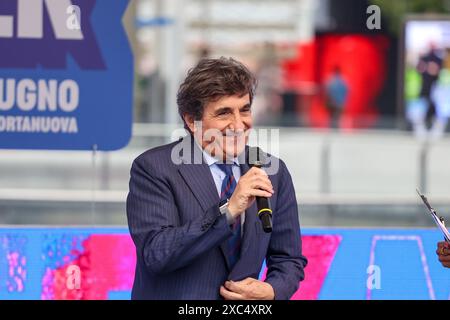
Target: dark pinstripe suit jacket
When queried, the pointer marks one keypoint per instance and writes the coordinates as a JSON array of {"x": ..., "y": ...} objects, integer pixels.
[{"x": 180, "y": 235}]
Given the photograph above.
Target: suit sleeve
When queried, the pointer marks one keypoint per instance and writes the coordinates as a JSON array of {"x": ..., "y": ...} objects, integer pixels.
[
  {"x": 163, "y": 241},
  {"x": 285, "y": 261}
]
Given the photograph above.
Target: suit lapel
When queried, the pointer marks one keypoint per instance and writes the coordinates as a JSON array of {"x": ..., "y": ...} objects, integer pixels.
[
  {"x": 201, "y": 183},
  {"x": 196, "y": 173},
  {"x": 199, "y": 179}
]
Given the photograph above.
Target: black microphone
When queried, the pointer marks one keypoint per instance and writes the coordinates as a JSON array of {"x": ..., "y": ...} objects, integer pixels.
[{"x": 262, "y": 203}]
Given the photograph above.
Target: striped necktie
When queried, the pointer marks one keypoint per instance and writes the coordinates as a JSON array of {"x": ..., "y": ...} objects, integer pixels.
[{"x": 228, "y": 187}]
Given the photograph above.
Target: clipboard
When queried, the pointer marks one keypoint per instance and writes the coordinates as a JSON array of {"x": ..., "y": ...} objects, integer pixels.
[{"x": 437, "y": 219}]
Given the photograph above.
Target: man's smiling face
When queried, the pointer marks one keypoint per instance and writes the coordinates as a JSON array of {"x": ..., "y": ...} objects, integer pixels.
[{"x": 226, "y": 124}]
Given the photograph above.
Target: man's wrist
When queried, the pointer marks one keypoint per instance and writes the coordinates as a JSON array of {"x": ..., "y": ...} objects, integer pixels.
[
  {"x": 233, "y": 212},
  {"x": 271, "y": 292},
  {"x": 225, "y": 210}
]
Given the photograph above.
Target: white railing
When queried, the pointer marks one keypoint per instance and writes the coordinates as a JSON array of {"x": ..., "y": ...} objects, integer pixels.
[{"x": 361, "y": 167}]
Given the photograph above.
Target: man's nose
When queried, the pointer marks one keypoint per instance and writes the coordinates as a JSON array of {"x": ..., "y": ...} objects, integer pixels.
[{"x": 237, "y": 123}]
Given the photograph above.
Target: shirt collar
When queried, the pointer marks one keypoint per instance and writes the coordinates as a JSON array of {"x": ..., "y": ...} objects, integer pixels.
[{"x": 210, "y": 160}]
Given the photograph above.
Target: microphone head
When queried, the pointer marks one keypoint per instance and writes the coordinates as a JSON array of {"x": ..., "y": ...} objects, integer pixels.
[
  {"x": 256, "y": 157},
  {"x": 257, "y": 164}
]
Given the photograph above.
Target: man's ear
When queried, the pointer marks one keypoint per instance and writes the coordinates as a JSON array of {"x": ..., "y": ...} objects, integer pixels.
[{"x": 189, "y": 120}]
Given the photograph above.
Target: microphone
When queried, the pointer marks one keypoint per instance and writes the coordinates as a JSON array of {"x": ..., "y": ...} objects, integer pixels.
[{"x": 262, "y": 203}]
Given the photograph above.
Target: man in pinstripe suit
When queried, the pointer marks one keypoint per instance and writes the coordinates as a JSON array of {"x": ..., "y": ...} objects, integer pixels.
[{"x": 191, "y": 206}]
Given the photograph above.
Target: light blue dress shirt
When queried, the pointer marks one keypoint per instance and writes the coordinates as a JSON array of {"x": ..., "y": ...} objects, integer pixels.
[{"x": 217, "y": 173}]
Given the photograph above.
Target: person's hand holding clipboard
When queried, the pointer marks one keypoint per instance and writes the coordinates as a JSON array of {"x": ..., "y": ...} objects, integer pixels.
[{"x": 443, "y": 250}]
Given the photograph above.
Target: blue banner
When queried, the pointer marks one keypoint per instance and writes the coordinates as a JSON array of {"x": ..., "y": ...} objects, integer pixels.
[
  {"x": 99, "y": 263},
  {"x": 66, "y": 75}
]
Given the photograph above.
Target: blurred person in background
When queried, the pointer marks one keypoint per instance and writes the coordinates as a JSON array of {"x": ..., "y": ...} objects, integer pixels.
[
  {"x": 441, "y": 98},
  {"x": 424, "y": 109},
  {"x": 429, "y": 67},
  {"x": 336, "y": 93},
  {"x": 268, "y": 101}
]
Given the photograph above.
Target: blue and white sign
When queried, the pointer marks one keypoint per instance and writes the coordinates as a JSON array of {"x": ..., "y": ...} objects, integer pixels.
[{"x": 66, "y": 75}]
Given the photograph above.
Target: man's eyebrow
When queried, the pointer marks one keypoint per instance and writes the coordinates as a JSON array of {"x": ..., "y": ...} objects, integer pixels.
[
  {"x": 227, "y": 109},
  {"x": 222, "y": 109}
]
